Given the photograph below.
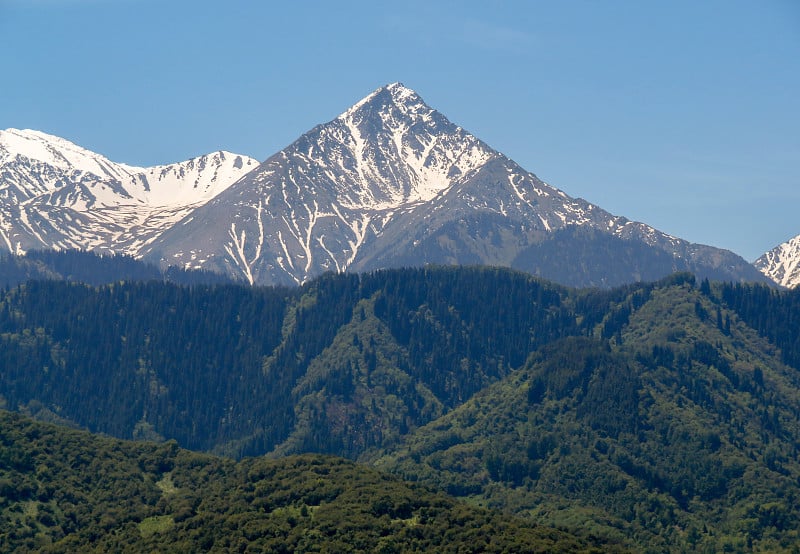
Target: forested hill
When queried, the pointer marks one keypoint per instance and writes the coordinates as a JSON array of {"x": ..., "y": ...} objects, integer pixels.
[
  {"x": 665, "y": 414},
  {"x": 341, "y": 365},
  {"x": 674, "y": 425},
  {"x": 70, "y": 491}
]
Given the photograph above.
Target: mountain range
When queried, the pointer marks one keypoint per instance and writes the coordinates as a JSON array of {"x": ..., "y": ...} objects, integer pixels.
[{"x": 390, "y": 182}]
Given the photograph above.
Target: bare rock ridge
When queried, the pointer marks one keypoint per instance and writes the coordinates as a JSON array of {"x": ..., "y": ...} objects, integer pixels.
[{"x": 390, "y": 182}]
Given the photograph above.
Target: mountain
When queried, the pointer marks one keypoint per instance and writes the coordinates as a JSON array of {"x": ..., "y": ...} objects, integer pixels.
[
  {"x": 344, "y": 364},
  {"x": 782, "y": 263},
  {"x": 391, "y": 183},
  {"x": 57, "y": 195},
  {"x": 69, "y": 491},
  {"x": 318, "y": 204}
]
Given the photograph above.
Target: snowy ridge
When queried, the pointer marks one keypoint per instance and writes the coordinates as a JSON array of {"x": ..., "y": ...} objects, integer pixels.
[
  {"x": 55, "y": 194},
  {"x": 58, "y": 153},
  {"x": 782, "y": 263},
  {"x": 194, "y": 181}
]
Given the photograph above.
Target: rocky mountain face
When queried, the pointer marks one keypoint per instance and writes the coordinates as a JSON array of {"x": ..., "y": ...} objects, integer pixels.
[
  {"x": 57, "y": 195},
  {"x": 389, "y": 183},
  {"x": 322, "y": 202},
  {"x": 782, "y": 263}
]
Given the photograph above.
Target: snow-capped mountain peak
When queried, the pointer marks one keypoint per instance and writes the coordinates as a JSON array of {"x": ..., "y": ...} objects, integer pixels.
[
  {"x": 315, "y": 204},
  {"x": 395, "y": 93},
  {"x": 58, "y": 152},
  {"x": 398, "y": 150},
  {"x": 197, "y": 180},
  {"x": 389, "y": 182},
  {"x": 782, "y": 263},
  {"x": 56, "y": 194}
]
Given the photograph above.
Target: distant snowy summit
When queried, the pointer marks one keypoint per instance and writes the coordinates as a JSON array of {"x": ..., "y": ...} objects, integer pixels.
[
  {"x": 390, "y": 182},
  {"x": 782, "y": 263},
  {"x": 57, "y": 195}
]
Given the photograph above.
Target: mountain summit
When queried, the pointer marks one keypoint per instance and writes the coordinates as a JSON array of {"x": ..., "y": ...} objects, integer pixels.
[
  {"x": 319, "y": 203},
  {"x": 389, "y": 182},
  {"x": 392, "y": 182},
  {"x": 782, "y": 263}
]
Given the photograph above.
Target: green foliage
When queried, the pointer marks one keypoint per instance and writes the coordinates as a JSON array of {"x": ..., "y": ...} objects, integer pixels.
[
  {"x": 771, "y": 312},
  {"x": 340, "y": 365},
  {"x": 141, "y": 358},
  {"x": 81, "y": 493},
  {"x": 670, "y": 433},
  {"x": 663, "y": 414}
]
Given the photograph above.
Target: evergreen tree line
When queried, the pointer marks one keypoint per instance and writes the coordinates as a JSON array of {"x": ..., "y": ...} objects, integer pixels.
[
  {"x": 67, "y": 491},
  {"x": 217, "y": 366},
  {"x": 210, "y": 365},
  {"x": 94, "y": 269},
  {"x": 774, "y": 313}
]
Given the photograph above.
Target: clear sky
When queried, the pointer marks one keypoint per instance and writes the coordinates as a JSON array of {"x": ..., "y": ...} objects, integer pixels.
[{"x": 681, "y": 114}]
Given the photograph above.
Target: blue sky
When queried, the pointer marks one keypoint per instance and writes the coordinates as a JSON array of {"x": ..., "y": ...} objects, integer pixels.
[{"x": 684, "y": 115}]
